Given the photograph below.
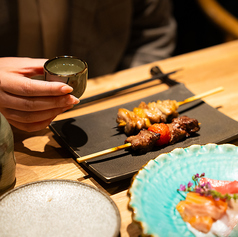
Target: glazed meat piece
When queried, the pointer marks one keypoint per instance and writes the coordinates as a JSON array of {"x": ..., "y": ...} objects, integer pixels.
[
  {"x": 146, "y": 114},
  {"x": 152, "y": 113},
  {"x": 132, "y": 121},
  {"x": 144, "y": 141},
  {"x": 179, "y": 129},
  {"x": 167, "y": 107},
  {"x": 182, "y": 127}
]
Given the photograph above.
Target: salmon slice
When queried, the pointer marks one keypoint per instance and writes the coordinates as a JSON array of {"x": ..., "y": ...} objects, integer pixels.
[
  {"x": 222, "y": 186},
  {"x": 200, "y": 211}
]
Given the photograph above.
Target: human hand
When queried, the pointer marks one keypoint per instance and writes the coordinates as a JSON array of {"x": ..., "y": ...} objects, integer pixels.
[{"x": 30, "y": 104}]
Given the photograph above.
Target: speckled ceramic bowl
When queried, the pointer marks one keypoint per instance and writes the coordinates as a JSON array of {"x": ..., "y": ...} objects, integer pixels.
[
  {"x": 58, "y": 208},
  {"x": 153, "y": 193}
]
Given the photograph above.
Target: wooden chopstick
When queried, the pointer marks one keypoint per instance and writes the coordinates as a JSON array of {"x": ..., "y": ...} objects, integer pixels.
[{"x": 114, "y": 91}]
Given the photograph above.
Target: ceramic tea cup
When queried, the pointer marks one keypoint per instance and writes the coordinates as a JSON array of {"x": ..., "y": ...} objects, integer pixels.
[{"x": 70, "y": 70}]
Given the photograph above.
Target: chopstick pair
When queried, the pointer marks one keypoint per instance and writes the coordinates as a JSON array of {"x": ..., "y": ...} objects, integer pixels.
[
  {"x": 158, "y": 75},
  {"x": 126, "y": 145}
]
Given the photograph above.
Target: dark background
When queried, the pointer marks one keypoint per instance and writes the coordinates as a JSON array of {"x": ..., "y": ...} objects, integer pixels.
[{"x": 194, "y": 29}]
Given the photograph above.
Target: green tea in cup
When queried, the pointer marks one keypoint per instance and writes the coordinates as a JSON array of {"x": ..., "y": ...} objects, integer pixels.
[{"x": 70, "y": 70}]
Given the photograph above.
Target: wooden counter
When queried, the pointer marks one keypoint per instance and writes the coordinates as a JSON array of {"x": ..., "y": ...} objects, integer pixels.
[{"x": 39, "y": 156}]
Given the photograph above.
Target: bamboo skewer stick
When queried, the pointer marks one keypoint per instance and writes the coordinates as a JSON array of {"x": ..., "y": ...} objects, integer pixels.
[
  {"x": 126, "y": 145},
  {"x": 104, "y": 152},
  {"x": 196, "y": 97}
]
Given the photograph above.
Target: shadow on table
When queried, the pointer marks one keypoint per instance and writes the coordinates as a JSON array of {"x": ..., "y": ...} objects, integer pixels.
[{"x": 50, "y": 150}]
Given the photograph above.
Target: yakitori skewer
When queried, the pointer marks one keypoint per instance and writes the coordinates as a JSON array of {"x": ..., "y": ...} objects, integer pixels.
[
  {"x": 160, "y": 111},
  {"x": 160, "y": 135},
  {"x": 128, "y": 144}
]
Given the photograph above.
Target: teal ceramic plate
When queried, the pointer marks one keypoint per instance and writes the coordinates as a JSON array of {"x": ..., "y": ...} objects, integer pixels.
[{"x": 153, "y": 195}]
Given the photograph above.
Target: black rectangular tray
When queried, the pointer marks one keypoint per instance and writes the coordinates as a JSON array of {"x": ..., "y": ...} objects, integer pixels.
[{"x": 87, "y": 134}]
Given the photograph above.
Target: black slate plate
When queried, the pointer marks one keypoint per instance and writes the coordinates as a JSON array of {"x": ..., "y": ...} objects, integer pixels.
[{"x": 97, "y": 131}]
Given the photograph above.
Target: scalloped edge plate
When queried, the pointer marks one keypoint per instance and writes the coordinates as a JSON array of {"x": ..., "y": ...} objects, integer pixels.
[{"x": 153, "y": 191}]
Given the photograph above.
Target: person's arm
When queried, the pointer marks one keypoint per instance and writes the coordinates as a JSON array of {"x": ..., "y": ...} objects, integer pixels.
[
  {"x": 153, "y": 33},
  {"x": 30, "y": 104}
]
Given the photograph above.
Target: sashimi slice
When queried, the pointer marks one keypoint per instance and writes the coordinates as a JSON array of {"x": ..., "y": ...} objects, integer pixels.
[
  {"x": 200, "y": 211},
  {"x": 223, "y": 227},
  {"x": 221, "y": 186}
]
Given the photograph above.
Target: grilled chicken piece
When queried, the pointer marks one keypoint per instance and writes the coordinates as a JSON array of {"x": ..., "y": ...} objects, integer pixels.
[
  {"x": 146, "y": 114},
  {"x": 131, "y": 122}
]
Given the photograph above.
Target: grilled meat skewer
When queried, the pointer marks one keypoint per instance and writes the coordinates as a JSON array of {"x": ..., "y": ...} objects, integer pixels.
[
  {"x": 132, "y": 122},
  {"x": 179, "y": 129},
  {"x": 145, "y": 115}
]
